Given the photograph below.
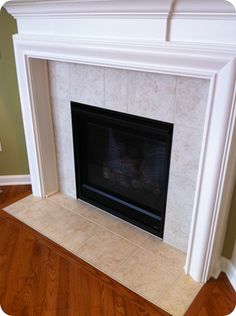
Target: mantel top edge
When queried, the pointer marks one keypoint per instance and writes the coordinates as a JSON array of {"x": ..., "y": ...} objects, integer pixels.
[{"x": 20, "y": 8}]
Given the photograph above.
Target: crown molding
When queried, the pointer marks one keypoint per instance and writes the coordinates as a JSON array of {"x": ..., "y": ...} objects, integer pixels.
[
  {"x": 184, "y": 9},
  {"x": 89, "y": 8}
]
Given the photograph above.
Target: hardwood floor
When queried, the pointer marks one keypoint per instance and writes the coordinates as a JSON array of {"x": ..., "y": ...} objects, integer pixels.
[
  {"x": 38, "y": 277},
  {"x": 13, "y": 193},
  {"x": 216, "y": 298}
]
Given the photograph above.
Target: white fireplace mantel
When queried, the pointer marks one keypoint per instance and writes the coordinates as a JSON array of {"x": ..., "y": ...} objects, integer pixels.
[{"x": 183, "y": 38}]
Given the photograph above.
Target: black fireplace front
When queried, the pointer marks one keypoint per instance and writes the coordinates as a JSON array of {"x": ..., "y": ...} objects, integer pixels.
[{"x": 122, "y": 164}]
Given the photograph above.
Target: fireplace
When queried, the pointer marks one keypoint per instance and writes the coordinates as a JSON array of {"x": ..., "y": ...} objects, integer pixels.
[
  {"x": 122, "y": 164},
  {"x": 157, "y": 38}
]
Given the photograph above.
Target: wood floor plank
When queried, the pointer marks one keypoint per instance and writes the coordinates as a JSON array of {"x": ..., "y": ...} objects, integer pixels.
[
  {"x": 216, "y": 298},
  {"x": 13, "y": 299},
  {"x": 8, "y": 237},
  {"x": 13, "y": 193}
]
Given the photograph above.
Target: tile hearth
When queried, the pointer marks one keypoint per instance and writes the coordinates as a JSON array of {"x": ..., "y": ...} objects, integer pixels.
[{"x": 131, "y": 256}]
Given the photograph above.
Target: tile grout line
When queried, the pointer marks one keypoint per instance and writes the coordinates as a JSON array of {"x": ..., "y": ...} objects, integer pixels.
[
  {"x": 107, "y": 229},
  {"x": 100, "y": 226},
  {"x": 134, "y": 252},
  {"x": 139, "y": 247}
]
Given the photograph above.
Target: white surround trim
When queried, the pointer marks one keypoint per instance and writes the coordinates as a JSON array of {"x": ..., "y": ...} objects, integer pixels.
[{"x": 215, "y": 181}]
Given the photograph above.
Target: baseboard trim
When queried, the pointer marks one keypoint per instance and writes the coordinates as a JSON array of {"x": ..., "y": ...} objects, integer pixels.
[
  {"x": 15, "y": 180},
  {"x": 226, "y": 266}
]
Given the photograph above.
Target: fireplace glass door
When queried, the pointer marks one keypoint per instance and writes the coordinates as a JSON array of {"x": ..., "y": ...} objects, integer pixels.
[{"x": 122, "y": 164}]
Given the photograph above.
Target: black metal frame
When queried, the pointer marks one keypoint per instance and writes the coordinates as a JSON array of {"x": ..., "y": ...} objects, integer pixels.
[{"x": 114, "y": 204}]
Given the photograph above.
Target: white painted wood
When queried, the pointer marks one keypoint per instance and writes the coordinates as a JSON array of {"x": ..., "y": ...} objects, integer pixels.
[
  {"x": 212, "y": 21},
  {"x": 72, "y": 8},
  {"x": 15, "y": 179},
  {"x": 213, "y": 182},
  {"x": 142, "y": 29},
  {"x": 215, "y": 63},
  {"x": 206, "y": 8},
  {"x": 203, "y": 30},
  {"x": 132, "y": 8},
  {"x": 40, "y": 99}
]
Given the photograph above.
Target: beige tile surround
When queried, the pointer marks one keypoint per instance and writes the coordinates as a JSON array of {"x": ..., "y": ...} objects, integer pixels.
[
  {"x": 133, "y": 257},
  {"x": 174, "y": 99}
]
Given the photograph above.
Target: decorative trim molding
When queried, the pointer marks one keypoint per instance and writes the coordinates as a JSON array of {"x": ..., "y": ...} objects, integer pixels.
[
  {"x": 98, "y": 8},
  {"x": 209, "y": 21},
  {"x": 226, "y": 266},
  {"x": 15, "y": 180},
  {"x": 184, "y": 9}
]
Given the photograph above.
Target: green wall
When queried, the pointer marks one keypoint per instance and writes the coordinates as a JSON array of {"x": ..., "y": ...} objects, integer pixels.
[
  {"x": 13, "y": 159},
  {"x": 230, "y": 237}
]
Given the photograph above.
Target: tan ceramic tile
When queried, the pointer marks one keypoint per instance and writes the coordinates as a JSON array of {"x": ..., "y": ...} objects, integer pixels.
[
  {"x": 66, "y": 201},
  {"x": 22, "y": 204},
  {"x": 157, "y": 246},
  {"x": 152, "y": 95},
  {"x": 96, "y": 215},
  {"x": 62, "y": 123},
  {"x": 81, "y": 208},
  {"x": 86, "y": 84},
  {"x": 72, "y": 231},
  {"x": 102, "y": 218},
  {"x": 59, "y": 79},
  {"x": 106, "y": 251},
  {"x": 128, "y": 231},
  {"x": 179, "y": 296},
  {"x": 147, "y": 273},
  {"x": 191, "y": 106},
  {"x": 116, "y": 89},
  {"x": 42, "y": 214},
  {"x": 58, "y": 223}
]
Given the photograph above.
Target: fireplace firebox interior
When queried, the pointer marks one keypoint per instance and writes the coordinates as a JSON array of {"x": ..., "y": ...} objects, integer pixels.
[{"x": 122, "y": 164}]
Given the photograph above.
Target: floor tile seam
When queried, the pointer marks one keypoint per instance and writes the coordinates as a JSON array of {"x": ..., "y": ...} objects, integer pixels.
[
  {"x": 48, "y": 234},
  {"x": 61, "y": 243},
  {"x": 114, "y": 233},
  {"x": 93, "y": 235},
  {"x": 19, "y": 202},
  {"x": 161, "y": 254},
  {"x": 100, "y": 225},
  {"x": 84, "y": 242},
  {"x": 76, "y": 213},
  {"x": 126, "y": 259},
  {"x": 115, "y": 278},
  {"x": 142, "y": 294}
]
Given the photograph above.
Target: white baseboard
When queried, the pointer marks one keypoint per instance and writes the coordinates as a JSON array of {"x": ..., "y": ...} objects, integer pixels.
[
  {"x": 15, "y": 179},
  {"x": 226, "y": 266}
]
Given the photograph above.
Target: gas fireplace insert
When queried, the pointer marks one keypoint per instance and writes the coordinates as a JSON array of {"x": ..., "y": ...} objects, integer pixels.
[{"x": 122, "y": 164}]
